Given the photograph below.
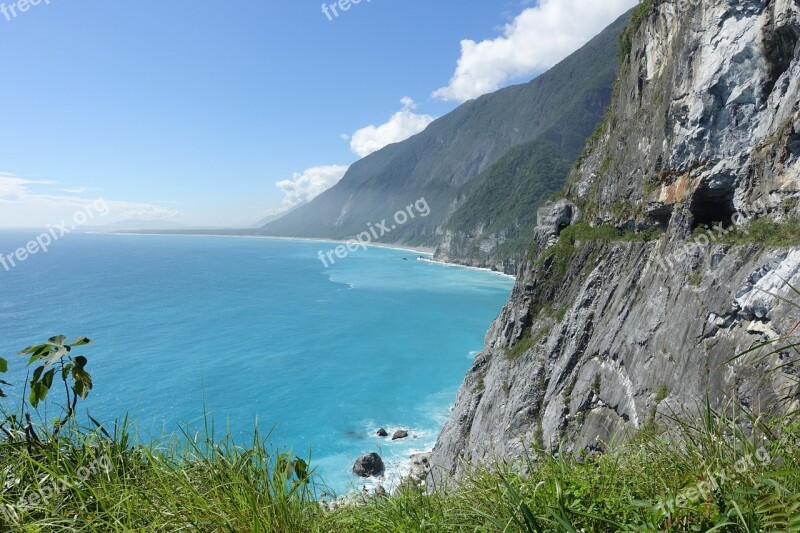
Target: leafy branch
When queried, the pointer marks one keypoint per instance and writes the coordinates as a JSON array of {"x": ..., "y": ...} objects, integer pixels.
[{"x": 52, "y": 360}]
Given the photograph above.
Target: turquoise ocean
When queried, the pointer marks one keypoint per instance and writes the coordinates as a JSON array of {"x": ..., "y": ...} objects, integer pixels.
[{"x": 249, "y": 329}]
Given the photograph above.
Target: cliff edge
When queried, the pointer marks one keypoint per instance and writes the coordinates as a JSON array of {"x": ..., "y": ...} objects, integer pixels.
[{"x": 644, "y": 281}]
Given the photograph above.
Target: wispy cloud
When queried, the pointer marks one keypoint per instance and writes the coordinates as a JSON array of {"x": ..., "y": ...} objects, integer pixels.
[
  {"x": 400, "y": 126},
  {"x": 28, "y": 202},
  {"x": 307, "y": 185},
  {"x": 75, "y": 190},
  {"x": 537, "y": 39}
]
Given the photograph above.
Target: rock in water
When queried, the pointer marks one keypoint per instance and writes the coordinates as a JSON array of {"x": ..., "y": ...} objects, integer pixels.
[
  {"x": 400, "y": 434},
  {"x": 382, "y": 433},
  {"x": 369, "y": 465}
]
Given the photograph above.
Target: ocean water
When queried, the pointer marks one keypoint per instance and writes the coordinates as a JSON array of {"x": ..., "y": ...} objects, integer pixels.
[{"x": 257, "y": 330}]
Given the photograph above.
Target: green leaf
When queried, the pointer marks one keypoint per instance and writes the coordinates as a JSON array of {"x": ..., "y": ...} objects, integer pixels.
[
  {"x": 79, "y": 389},
  {"x": 83, "y": 382},
  {"x": 80, "y": 362},
  {"x": 57, "y": 341},
  {"x": 80, "y": 341},
  {"x": 55, "y": 357},
  {"x": 3, "y": 365},
  {"x": 37, "y": 374},
  {"x": 47, "y": 380},
  {"x": 36, "y": 351},
  {"x": 38, "y": 394},
  {"x": 531, "y": 523},
  {"x": 300, "y": 469}
]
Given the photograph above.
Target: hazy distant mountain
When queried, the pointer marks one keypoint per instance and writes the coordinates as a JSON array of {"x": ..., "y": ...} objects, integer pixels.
[
  {"x": 133, "y": 224},
  {"x": 551, "y": 117},
  {"x": 272, "y": 218}
]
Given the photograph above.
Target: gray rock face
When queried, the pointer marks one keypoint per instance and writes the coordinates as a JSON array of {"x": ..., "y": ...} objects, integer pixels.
[
  {"x": 703, "y": 125},
  {"x": 420, "y": 467},
  {"x": 554, "y": 217},
  {"x": 477, "y": 249},
  {"x": 369, "y": 465},
  {"x": 382, "y": 433}
]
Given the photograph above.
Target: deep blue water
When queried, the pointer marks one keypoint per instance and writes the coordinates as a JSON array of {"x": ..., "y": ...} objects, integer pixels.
[{"x": 256, "y": 328}]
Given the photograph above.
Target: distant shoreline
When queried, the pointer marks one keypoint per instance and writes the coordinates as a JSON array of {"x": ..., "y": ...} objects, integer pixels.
[
  {"x": 423, "y": 250},
  {"x": 167, "y": 233}
]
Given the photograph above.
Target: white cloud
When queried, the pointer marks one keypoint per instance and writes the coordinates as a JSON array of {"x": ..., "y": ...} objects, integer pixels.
[
  {"x": 24, "y": 204},
  {"x": 305, "y": 186},
  {"x": 537, "y": 39},
  {"x": 401, "y": 126},
  {"x": 75, "y": 190}
]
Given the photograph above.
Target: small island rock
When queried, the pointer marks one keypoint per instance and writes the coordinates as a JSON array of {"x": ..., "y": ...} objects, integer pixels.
[
  {"x": 382, "y": 433},
  {"x": 400, "y": 434},
  {"x": 369, "y": 465}
]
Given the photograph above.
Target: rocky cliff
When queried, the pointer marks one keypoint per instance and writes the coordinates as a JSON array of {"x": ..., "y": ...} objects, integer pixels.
[{"x": 627, "y": 308}]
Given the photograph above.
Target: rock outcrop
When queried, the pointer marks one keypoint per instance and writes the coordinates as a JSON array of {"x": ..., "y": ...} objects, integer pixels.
[
  {"x": 420, "y": 467},
  {"x": 400, "y": 434},
  {"x": 603, "y": 335},
  {"x": 369, "y": 465}
]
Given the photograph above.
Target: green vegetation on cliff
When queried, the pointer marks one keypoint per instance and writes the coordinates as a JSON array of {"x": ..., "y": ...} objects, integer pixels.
[
  {"x": 637, "y": 17},
  {"x": 530, "y": 174},
  {"x": 761, "y": 231}
]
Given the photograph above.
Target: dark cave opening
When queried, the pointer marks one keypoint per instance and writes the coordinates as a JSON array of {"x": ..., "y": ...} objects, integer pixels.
[{"x": 712, "y": 207}]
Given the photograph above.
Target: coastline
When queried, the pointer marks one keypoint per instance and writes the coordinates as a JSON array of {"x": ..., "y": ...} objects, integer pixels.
[
  {"x": 422, "y": 250},
  {"x": 459, "y": 265},
  {"x": 406, "y": 248}
]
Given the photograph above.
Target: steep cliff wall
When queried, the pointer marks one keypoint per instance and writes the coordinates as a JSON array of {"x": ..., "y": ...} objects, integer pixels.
[{"x": 626, "y": 308}]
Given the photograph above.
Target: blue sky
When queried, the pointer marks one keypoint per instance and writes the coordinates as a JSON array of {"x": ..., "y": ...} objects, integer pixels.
[{"x": 193, "y": 111}]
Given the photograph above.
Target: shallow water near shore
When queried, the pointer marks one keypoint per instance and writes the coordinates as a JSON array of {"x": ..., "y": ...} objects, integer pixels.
[{"x": 257, "y": 329}]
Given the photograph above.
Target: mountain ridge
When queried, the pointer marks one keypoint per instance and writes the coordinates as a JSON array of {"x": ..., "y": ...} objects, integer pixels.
[{"x": 439, "y": 162}]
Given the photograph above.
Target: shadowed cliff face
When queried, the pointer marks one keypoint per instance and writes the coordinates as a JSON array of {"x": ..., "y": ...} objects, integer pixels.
[{"x": 603, "y": 335}]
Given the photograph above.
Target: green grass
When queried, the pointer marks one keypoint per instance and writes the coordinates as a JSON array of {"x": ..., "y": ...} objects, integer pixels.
[
  {"x": 759, "y": 231},
  {"x": 521, "y": 347},
  {"x": 554, "y": 263},
  {"x": 199, "y": 485},
  {"x": 583, "y": 232},
  {"x": 661, "y": 393}
]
